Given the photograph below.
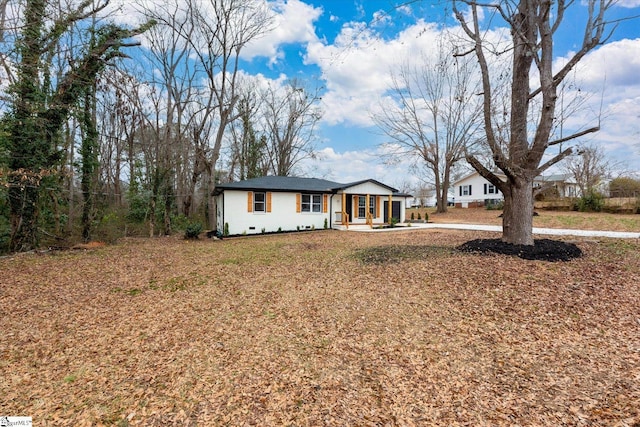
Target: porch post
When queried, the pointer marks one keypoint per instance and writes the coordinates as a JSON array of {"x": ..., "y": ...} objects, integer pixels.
[{"x": 343, "y": 211}]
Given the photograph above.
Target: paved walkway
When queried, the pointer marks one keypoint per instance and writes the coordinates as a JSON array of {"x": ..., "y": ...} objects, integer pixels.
[{"x": 498, "y": 228}]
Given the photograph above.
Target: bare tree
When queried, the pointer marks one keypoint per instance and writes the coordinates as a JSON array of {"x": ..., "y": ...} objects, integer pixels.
[
  {"x": 588, "y": 167},
  {"x": 534, "y": 25},
  {"x": 433, "y": 116},
  {"x": 248, "y": 149},
  {"x": 222, "y": 29},
  {"x": 290, "y": 115}
]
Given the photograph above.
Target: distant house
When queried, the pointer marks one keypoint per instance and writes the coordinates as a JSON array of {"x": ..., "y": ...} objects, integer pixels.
[
  {"x": 564, "y": 184},
  {"x": 473, "y": 190},
  {"x": 280, "y": 203}
]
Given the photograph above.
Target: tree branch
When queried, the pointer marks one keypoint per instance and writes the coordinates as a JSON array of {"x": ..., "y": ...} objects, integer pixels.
[{"x": 574, "y": 136}]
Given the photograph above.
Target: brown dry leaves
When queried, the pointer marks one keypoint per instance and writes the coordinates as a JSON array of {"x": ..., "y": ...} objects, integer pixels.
[{"x": 300, "y": 329}]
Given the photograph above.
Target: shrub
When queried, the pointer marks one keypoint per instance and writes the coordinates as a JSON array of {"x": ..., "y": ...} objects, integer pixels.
[
  {"x": 426, "y": 217},
  {"x": 326, "y": 223},
  {"x": 192, "y": 231},
  {"x": 419, "y": 216},
  {"x": 590, "y": 202},
  {"x": 180, "y": 222},
  {"x": 412, "y": 217},
  {"x": 495, "y": 205},
  {"x": 393, "y": 222},
  {"x": 225, "y": 233}
]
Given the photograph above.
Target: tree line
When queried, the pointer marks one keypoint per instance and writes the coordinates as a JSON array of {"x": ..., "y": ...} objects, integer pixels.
[{"x": 93, "y": 126}]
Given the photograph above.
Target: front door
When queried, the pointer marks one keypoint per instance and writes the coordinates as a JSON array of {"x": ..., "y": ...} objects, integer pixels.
[
  {"x": 395, "y": 210},
  {"x": 349, "y": 208}
]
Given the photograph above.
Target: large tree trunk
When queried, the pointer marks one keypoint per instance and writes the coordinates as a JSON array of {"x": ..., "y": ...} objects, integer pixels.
[{"x": 517, "y": 216}]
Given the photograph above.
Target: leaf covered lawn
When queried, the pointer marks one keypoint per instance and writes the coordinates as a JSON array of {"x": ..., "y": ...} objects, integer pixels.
[{"x": 321, "y": 328}]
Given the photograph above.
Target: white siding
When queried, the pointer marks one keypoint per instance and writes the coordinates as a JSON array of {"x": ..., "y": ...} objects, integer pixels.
[
  {"x": 477, "y": 195},
  {"x": 367, "y": 188},
  {"x": 283, "y": 214}
]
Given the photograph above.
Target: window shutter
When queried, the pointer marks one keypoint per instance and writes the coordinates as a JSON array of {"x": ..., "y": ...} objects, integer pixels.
[
  {"x": 485, "y": 188},
  {"x": 325, "y": 203},
  {"x": 269, "y": 202},
  {"x": 298, "y": 202},
  {"x": 460, "y": 190},
  {"x": 378, "y": 200},
  {"x": 249, "y": 201},
  {"x": 469, "y": 190}
]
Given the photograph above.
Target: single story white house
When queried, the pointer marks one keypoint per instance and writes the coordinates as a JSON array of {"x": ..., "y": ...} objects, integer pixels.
[
  {"x": 473, "y": 190},
  {"x": 283, "y": 203}
]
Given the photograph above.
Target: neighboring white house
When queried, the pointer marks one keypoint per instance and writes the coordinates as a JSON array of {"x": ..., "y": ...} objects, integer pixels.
[
  {"x": 280, "y": 203},
  {"x": 427, "y": 198},
  {"x": 475, "y": 191}
]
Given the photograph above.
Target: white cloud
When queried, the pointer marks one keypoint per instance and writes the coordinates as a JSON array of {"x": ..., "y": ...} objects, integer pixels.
[
  {"x": 351, "y": 166},
  {"x": 607, "y": 79},
  {"x": 628, "y": 3},
  {"x": 357, "y": 67},
  {"x": 293, "y": 23}
]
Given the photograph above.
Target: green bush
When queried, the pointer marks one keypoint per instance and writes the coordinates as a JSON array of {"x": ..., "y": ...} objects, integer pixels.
[
  {"x": 180, "y": 222},
  {"x": 419, "y": 216},
  {"x": 326, "y": 223},
  {"x": 225, "y": 233},
  {"x": 426, "y": 217},
  {"x": 591, "y": 202},
  {"x": 495, "y": 206},
  {"x": 193, "y": 230},
  {"x": 412, "y": 217}
]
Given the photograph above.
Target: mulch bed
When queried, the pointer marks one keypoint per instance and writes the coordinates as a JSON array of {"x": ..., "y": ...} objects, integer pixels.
[{"x": 542, "y": 250}]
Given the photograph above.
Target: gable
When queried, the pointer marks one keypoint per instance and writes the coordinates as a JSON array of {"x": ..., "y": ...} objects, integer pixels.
[{"x": 370, "y": 186}]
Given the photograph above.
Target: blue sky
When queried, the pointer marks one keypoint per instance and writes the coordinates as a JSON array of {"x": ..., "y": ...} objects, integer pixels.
[{"x": 351, "y": 47}]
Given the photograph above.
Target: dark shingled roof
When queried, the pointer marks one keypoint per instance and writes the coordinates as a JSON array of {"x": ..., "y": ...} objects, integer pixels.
[
  {"x": 281, "y": 183},
  {"x": 292, "y": 183}
]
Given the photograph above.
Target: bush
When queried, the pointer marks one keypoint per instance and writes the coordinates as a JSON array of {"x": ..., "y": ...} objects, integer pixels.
[
  {"x": 412, "y": 217},
  {"x": 193, "y": 230},
  {"x": 326, "y": 223},
  {"x": 495, "y": 206},
  {"x": 591, "y": 202},
  {"x": 419, "y": 216},
  {"x": 426, "y": 217},
  {"x": 225, "y": 233}
]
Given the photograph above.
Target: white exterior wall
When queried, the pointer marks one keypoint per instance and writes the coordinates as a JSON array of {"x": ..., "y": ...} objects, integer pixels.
[
  {"x": 283, "y": 214},
  {"x": 477, "y": 183}
]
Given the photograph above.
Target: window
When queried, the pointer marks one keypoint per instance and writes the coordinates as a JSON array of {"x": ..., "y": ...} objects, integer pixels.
[
  {"x": 259, "y": 202},
  {"x": 311, "y": 203},
  {"x": 362, "y": 206},
  {"x": 465, "y": 190},
  {"x": 490, "y": 189}
]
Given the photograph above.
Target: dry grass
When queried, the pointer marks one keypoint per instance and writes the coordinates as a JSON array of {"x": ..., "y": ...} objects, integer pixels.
[
  {"x": 321, "y": 328},
  {"x": 546, "y": 219}
]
